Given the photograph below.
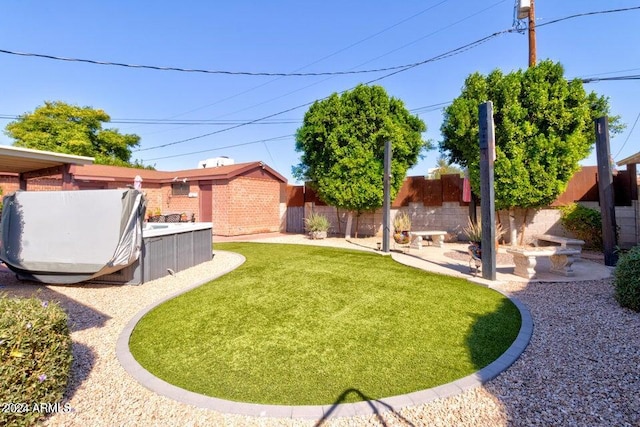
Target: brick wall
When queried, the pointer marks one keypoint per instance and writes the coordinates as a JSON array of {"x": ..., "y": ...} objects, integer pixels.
[
  {"x": 9, "y": 184},
  {"x": 254, "y": 206}
]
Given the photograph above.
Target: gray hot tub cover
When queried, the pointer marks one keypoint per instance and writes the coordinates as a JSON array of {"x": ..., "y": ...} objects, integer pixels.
[{"x": 71, "y": 236}]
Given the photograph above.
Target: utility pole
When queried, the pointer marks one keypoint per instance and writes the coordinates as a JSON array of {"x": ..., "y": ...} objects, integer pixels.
[
  {"x": 526, "y": 9},
  {"x": 532, "y": 34}
]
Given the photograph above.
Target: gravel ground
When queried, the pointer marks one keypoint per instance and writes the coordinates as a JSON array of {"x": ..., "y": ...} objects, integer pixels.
[{"x": 582, "y": 366}]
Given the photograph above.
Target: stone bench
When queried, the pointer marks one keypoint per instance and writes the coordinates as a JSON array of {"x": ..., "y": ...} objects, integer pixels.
[
  {"x": 525, "y": 260},
  {"x": 436, "y": 236},
  {"x": 542, "y": 240}
]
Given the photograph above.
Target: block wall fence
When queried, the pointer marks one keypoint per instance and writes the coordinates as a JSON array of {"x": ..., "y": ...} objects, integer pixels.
[{"x": 438, "y": 205}]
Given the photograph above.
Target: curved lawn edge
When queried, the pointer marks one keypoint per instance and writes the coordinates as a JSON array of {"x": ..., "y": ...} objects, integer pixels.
[{"x": 317, "y": 412}]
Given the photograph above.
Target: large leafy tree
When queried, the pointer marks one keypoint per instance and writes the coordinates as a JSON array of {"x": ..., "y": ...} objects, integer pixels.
[
  {"x": 64, "y": 128},
  {"x": 544, "y": 125},
  {"x": 342, "y": 144}
]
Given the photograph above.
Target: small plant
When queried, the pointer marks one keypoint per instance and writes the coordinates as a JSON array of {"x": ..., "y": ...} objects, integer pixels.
[
  {"x": 584, "y": 223},
  {"x": 402, "y": 222},
  {"x": 627, "y": 279},
  {"x": 474, "y": 231},
  {"x": 317, "y": 222},
  {"x": 402, "y": 227},
  {"x": 35, "y": 358}
]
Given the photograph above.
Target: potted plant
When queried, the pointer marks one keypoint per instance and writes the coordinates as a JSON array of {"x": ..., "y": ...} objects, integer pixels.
[
  {"x": 401, "y": 227},
  {"x": 474, "y": 235},
  {"x": 317, "y": 225}
]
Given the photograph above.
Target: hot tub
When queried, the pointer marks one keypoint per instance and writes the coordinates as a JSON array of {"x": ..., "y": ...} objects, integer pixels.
[{"x": 167, "y": 248}]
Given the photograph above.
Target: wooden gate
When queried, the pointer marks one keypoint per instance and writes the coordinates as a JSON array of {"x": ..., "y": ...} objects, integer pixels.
[{"x": 295, "y": 219}]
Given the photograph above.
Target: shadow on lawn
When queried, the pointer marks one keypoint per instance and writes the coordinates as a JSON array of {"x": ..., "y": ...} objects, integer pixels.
[
  {"x": 484, "y": 330},
  {"x": 373, "y": 403}
]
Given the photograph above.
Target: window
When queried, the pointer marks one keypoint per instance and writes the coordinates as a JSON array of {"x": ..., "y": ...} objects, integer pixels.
[{"x": 180, "y": 189}]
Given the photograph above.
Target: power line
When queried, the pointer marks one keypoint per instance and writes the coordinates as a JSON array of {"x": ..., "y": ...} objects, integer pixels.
[
  {"x": 183, "y": 122},
  {"x": 578, "y": 15},
  {"x": 615, "y": 78},
  {"x": 273, "y": 74},
  {"x": 447, "y": 54},
  {"x": 318, "y": 60},
  {"x": 204, "y": 71},
  {"x": 223, "y": 148},
  {"x": 628, "y": 135}
]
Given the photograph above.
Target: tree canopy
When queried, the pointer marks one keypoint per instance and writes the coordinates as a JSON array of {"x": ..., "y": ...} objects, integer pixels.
[
  {"x": 70, "y": 129},
  {"x": 342, "y": 144},
  {"x": 544, "y": 125},
  {"x": 443, "y": 167}
]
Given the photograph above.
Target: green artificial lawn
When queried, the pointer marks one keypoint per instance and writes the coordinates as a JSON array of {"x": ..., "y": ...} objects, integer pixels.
[{"x": 306, "y": 325}]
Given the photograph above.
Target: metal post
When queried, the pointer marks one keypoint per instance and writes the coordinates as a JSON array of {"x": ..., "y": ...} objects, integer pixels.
[
  {"x": 487, "y": 195},
  {"x": 386, "y": 204},
  {"x": 605, "y": 191}
]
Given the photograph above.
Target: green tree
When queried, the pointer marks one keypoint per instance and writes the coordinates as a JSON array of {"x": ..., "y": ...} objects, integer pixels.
[
  {"x": 544, "y": 125},
  {"x": 443, "y": 167},
  {"x": 342, "y": 144},
  {"x": 64, "y": 128}
]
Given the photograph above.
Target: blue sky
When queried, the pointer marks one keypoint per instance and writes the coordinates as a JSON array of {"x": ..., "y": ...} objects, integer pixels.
[{"x": 283, "y": 37}]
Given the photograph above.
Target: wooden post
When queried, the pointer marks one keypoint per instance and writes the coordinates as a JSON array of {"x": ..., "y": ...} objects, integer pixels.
[
  {"x": 487, "y": 195},
  {"x": 605, "y": 191},
  {"x": 532, "y": 34},
  {"x": 386, "y": 204}
]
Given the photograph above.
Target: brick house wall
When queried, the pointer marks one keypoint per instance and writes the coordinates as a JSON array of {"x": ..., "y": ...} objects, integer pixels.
[
  {"x": 246, "y": 198},
  {"x": 246, "y": 205}
]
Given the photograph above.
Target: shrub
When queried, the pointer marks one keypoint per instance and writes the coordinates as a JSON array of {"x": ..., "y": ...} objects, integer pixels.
[
  {"x": 35, "y": 359},
  {"x": 473, "y": 230},
  {"x": 317, "y": 222},
  {"x": 402, "y": 222},
  {"x": 627, "y": 279},
  {"x": 584, "y": 223}
]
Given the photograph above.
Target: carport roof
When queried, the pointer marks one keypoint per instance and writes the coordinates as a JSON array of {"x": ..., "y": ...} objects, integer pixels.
[
  {"x": 22, "y": 160},
  {"x": 633, "y": 159}
]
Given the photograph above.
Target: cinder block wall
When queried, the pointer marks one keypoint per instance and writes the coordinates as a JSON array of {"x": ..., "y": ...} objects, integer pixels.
[{"x": 450, "y": 217}]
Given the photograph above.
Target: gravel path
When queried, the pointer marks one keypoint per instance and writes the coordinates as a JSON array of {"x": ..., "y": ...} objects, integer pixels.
[{"x": 582, "y": 366}]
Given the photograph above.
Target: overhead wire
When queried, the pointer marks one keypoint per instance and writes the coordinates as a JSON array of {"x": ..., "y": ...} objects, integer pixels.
[
  {"x": 223, "y": 148},
  {"x": 359, "y": 65},
  {"x": 414, "y": 110},
  {"x": 579, "y": 15},
  {"x": 628, "y": 136},
  {"x": 273, "y": 74},
  {"x": 400, "y": 69},
  {"x": 313, "y": 63},
  {"x": 447, "y": 54}
]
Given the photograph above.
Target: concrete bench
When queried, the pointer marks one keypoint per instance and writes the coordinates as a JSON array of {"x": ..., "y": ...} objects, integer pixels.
[
  {"x": 542, "y": 240},
  {"x": 436, "y": 236},
  {"x": 525, "y": 260}
]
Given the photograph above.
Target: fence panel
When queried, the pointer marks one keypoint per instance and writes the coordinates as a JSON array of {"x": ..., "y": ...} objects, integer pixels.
[{"x": 295, "y": 219}]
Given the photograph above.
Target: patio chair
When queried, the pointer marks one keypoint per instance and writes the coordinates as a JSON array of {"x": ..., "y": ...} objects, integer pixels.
[{"x": 172, "y": 218}]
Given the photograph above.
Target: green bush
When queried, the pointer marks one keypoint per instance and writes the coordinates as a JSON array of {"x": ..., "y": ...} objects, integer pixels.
[
  {"x": 627, "y": 276},
  {"x": 317, "y": 222},
  {"x": 584, "y": 223},
  {"x": 35, "y": 359}
]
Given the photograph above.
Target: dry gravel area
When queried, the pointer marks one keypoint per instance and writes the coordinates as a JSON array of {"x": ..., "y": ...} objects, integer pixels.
[{"x": 582, "y": 367}]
